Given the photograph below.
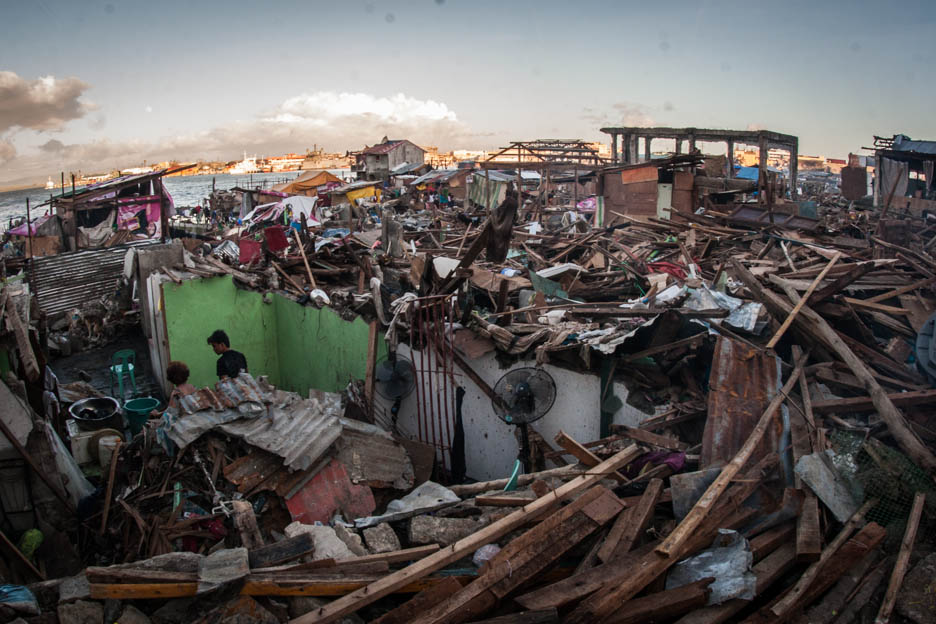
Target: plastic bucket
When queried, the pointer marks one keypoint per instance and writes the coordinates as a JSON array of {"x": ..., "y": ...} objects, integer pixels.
[{"x": 138, "y": 412}]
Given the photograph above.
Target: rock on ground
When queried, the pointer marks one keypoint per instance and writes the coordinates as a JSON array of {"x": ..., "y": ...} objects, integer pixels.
[
  {"x": 442, "y": 531},
  {"x": 132, "y": 615},
  {"x": 327, "y": 543},
  {"x": 81, "y": 612},
  {"x": 917, "y": 597},
  {"x": 381, "y": 538},
  {"x": 351, "y": 539}
]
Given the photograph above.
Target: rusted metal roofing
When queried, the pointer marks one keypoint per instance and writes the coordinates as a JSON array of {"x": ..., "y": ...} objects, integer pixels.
[
  {"x": 69, "y": 280},
  {"x": 741, "y": 384},
  {"x": 300, "y": 431},
  {"x": 383, "y": 148}
]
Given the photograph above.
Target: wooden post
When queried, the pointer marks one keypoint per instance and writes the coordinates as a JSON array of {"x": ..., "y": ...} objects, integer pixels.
[
  {"x": 903, "y": 560},
  {"x": 29, "y": 254},
  {"x": 730, "y": 159},
  {"x": 163, "y": 209},
  {"x": 74, "y": 212},
  {"x": 305, "y": 260},
  {"x": 794, "y": 168},
  {"x": 370, "y": 376},
  {"x": 799, "y": 306}
]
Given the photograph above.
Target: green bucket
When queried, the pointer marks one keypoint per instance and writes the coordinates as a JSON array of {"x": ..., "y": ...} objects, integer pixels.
[{"x": 138, "y": 412}]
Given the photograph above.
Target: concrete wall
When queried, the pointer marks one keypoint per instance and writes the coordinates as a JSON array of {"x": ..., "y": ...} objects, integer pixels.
[
  {"x": 490, "y": 445},
  {"x": 195, "y": 308},
  {"x": 298, "y": 347},
  {"x": 318, "y": 349}
]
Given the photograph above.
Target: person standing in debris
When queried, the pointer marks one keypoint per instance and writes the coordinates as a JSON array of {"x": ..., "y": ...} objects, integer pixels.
[{"x": 231, "y": 363}]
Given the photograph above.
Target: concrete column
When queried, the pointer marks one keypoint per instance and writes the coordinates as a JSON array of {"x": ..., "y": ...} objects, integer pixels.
[
  {"x": 691, "y": 143},
  {"x": 614, "y": 148},
  {"x": 635, "y": 149},
  {"x": 762, "y": 152},
  {"x": 877, "y": 180},
  {"x": 678, "y": 145},
  {"x": 647, "y": 152}
]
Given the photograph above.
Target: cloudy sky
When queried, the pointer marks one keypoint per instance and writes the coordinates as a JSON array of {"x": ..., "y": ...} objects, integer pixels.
[{"x": 98, "y": 84}]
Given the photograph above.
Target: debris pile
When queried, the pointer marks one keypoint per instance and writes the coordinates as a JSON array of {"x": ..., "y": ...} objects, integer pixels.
[{"x": 780, "y": 354}]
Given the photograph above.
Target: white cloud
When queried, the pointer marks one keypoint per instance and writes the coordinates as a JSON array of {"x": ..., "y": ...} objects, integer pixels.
[
  {"x": 47, "y": 103},
  {"x": 7, "y": 151},
  {"x": 334, "y": 121}
]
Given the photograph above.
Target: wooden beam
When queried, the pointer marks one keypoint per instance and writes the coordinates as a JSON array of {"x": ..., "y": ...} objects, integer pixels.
[
  {"x": 370, "y": 376},
  {"x": 703, "y": 507},
  {"x": 631, "y": 523},
  {"x": 843, "y": 281},
  {"x": 802, "y": 302},
  {"x": 582, "y": 454},
  {"x": 544, "y": 616},
  {"x": 54, "y": 487},
  {"x": 902, "y": 290},
  {"x": 305, "y": 260},
  {"x": 876, "y": 307},
  {"x": 866, "y": 403},
  {"x": 816, "y": 327},
  {"x": 392, "y": 582},
  {"x": 652, "y": 439},
  {"x": 527, "y": 556},
  {"x": 808, "y": 532},
  {"x": 789, "y": 600},
  {"x": 281, "y": 552},
  {"x": 903, "y": 560},
  {"x": 664, "y": 605},
  {"x": 426, "y": 599}
]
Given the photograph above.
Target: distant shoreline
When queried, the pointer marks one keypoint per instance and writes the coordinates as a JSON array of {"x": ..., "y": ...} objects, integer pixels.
[{"x": 21, "y": 187}]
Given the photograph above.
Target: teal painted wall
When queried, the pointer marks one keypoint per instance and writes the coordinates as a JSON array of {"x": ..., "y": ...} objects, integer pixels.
[
  {"x": 318, "y": 349},
  {"x": 196, "y": 308},
  {"x": 298, "y": 347}
]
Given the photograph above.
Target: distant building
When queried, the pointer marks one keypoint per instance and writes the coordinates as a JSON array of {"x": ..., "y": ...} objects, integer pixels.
[
  {"x": 287, "y": 162},
  {"x": 376, "y": 163}
]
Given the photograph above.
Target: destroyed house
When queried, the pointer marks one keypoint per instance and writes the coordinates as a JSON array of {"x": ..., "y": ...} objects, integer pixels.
[
  {"x": 132, "y": 207},
  {"x": 455, "y": 416},
  {"x": 378, "y": 161},
  {"x": 904, "y": 175}
]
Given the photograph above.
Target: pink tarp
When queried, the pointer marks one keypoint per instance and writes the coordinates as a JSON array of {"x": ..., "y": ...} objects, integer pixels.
[{"x": 22, "y": 230}]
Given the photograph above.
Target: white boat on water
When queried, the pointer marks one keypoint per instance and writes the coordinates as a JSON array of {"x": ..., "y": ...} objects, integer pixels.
[
  {"x": 248, "y": 165},
  {"x": 49, "y": 184}
]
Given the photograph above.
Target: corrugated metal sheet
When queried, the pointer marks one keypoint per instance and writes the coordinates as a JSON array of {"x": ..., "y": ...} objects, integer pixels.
[
  {"x": 741, "y": 384},
  {"x": 299, "y": 431},
  {"x": 903, "y": 143},
  {"x": 69, "y": 280}
]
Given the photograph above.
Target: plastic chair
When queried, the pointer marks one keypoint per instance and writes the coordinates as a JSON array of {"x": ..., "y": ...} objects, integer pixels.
[{"x": 122, "y": 364}]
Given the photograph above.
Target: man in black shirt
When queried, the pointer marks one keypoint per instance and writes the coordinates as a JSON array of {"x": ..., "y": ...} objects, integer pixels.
[{"x": 231, "y": 363}]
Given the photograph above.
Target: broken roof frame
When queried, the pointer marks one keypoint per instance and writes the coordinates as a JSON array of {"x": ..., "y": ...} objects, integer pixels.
[{"x": 628, "y": 153}]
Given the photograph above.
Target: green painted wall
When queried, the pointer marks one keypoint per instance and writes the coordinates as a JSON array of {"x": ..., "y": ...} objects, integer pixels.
[
  {"x": 318, "y": 349},
  {"x": 298, "y": 347},
  {"x": 196, "y": 308}
]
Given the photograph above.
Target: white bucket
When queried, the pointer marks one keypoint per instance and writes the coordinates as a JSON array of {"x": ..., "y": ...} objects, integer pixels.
[{"x": 106, "y": 447}]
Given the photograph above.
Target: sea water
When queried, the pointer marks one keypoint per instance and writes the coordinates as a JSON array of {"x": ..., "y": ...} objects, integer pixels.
[{"x": 185, "y": 191}]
